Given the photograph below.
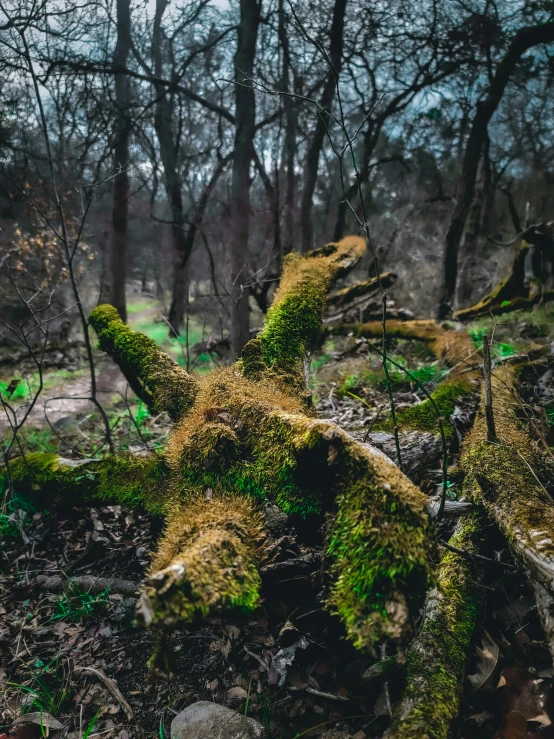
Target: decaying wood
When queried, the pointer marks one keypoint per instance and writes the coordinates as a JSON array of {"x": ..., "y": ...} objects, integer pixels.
[{"x": 421, "y": 450}]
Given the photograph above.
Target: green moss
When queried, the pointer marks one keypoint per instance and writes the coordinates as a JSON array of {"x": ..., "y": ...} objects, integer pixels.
[
  {"x": 423, "y": 416},
  {"x": 379, "y": 554},
  {"x": 153, "y": 375},
  {"x": 293, "y": 323},
  {"x": 207, "y": 561},
  {"x": 437, "y": 659},
  {"x": 130, "y": 480},
  {"x": 292, "y": 327}
]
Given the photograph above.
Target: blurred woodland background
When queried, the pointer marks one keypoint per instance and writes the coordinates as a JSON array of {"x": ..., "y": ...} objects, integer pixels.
[{"x": 194, "y": 144}]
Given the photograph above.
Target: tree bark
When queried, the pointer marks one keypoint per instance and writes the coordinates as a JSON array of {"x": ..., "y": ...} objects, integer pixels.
[
  {"x": 122, "y": 128},
  {"x": 245, "y": 116},
  {"x": 291, "y": 125},
  {"x": 472, "y": 231},
  {"x": 163, "y": 121},
  {"x": 524, "y": 39},
  {"x": 311, "y": 163}
]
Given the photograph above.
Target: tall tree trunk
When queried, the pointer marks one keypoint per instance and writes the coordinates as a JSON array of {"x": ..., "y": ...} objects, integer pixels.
[
  {"x": 311, "y": 164},
  {"x": 245, "y": 117},
  {"x": 524, "y": 39},
  {"x": 163, "y": 121},
  {"x": 121, "y": 160},
  {"x": 472, "y": 231},
  {"x": 289, "y": 144}
]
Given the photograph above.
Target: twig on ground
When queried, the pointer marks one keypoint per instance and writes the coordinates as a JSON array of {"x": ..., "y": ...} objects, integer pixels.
[{"x": 111, "y": 685}]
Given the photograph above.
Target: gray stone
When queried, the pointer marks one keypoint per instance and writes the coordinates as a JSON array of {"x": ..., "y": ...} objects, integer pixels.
[{"x": 205, "y": 720}]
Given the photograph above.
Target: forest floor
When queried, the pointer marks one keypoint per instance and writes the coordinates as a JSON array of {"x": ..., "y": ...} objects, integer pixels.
[{"x": 288, "y": 664}]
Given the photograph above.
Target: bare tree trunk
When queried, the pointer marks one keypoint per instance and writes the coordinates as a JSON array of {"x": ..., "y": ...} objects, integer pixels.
[
  {"x": 163, "y": 122},
  {"x": 245, "y": 117},
  {"x": 105, "y": 269},
  {"x": 470, "y": 239},
  {"x": 289, "y": 144},
  {"x": 524, "y": 39},
  {"x": 311, "y": 164},
  {"x": 121, "y": 160}
]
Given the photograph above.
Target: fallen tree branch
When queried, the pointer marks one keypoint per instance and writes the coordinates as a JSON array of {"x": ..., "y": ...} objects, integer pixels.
[
  {"x": 344, "y": 297},
  {"x": 513, "y": 292},
  {"x": 88, "y": 584},
  {"x": 436, "y": 659},
  {"x": 245, "y": 438},
  {"x": 111, "y": 685}
]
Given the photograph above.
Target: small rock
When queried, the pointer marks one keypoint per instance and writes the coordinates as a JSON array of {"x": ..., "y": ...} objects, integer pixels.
[
  {"x": 205, "y": 720},
  {"x": 275, "y": 520}
]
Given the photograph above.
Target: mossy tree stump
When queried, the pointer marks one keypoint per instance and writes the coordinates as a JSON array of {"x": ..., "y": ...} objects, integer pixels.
[{"x": 245, "y": 436}]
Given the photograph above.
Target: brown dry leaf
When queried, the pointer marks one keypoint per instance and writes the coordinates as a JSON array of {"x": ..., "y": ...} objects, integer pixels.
[
  {"x": 232, "y": 632},
  {"x": 25, "y": 727},
  {"x": 518, "y": 691},
  {"x": 236, "y": 694},
  {"x": 221, "y": 645},
  {"x": 515, "y": 727},
  {"x": 297, "y": 678},
  {"x": 487, "y": 659}
]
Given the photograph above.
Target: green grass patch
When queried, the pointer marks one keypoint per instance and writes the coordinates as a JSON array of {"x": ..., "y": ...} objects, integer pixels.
[
  {"x": 375, "y": 377},
  {"x": 76, "y": 605},
  {"x": 48, "y": 691}
]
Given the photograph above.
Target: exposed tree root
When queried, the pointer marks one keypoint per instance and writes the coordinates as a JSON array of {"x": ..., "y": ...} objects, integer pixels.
[
  {"x": 243, "y": 439},
  {"x": 500, "y": 476},
  {"x": 437, "y": 657}
]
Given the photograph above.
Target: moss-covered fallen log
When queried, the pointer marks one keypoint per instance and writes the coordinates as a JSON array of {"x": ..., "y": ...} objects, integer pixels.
[
  {"x": 488, "y": 308},
  {"x": 343, "y": 298},
  {"x": 521, "y": 287},
  {"x": 155, "y": 378},
  {"x": 501, "y": 476},
  {"x": 453, "y": 347},
  {"x": 52, "y": 480},
  {"x": 245, "y": 437},
  {"x": 437, "y": 658}
]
